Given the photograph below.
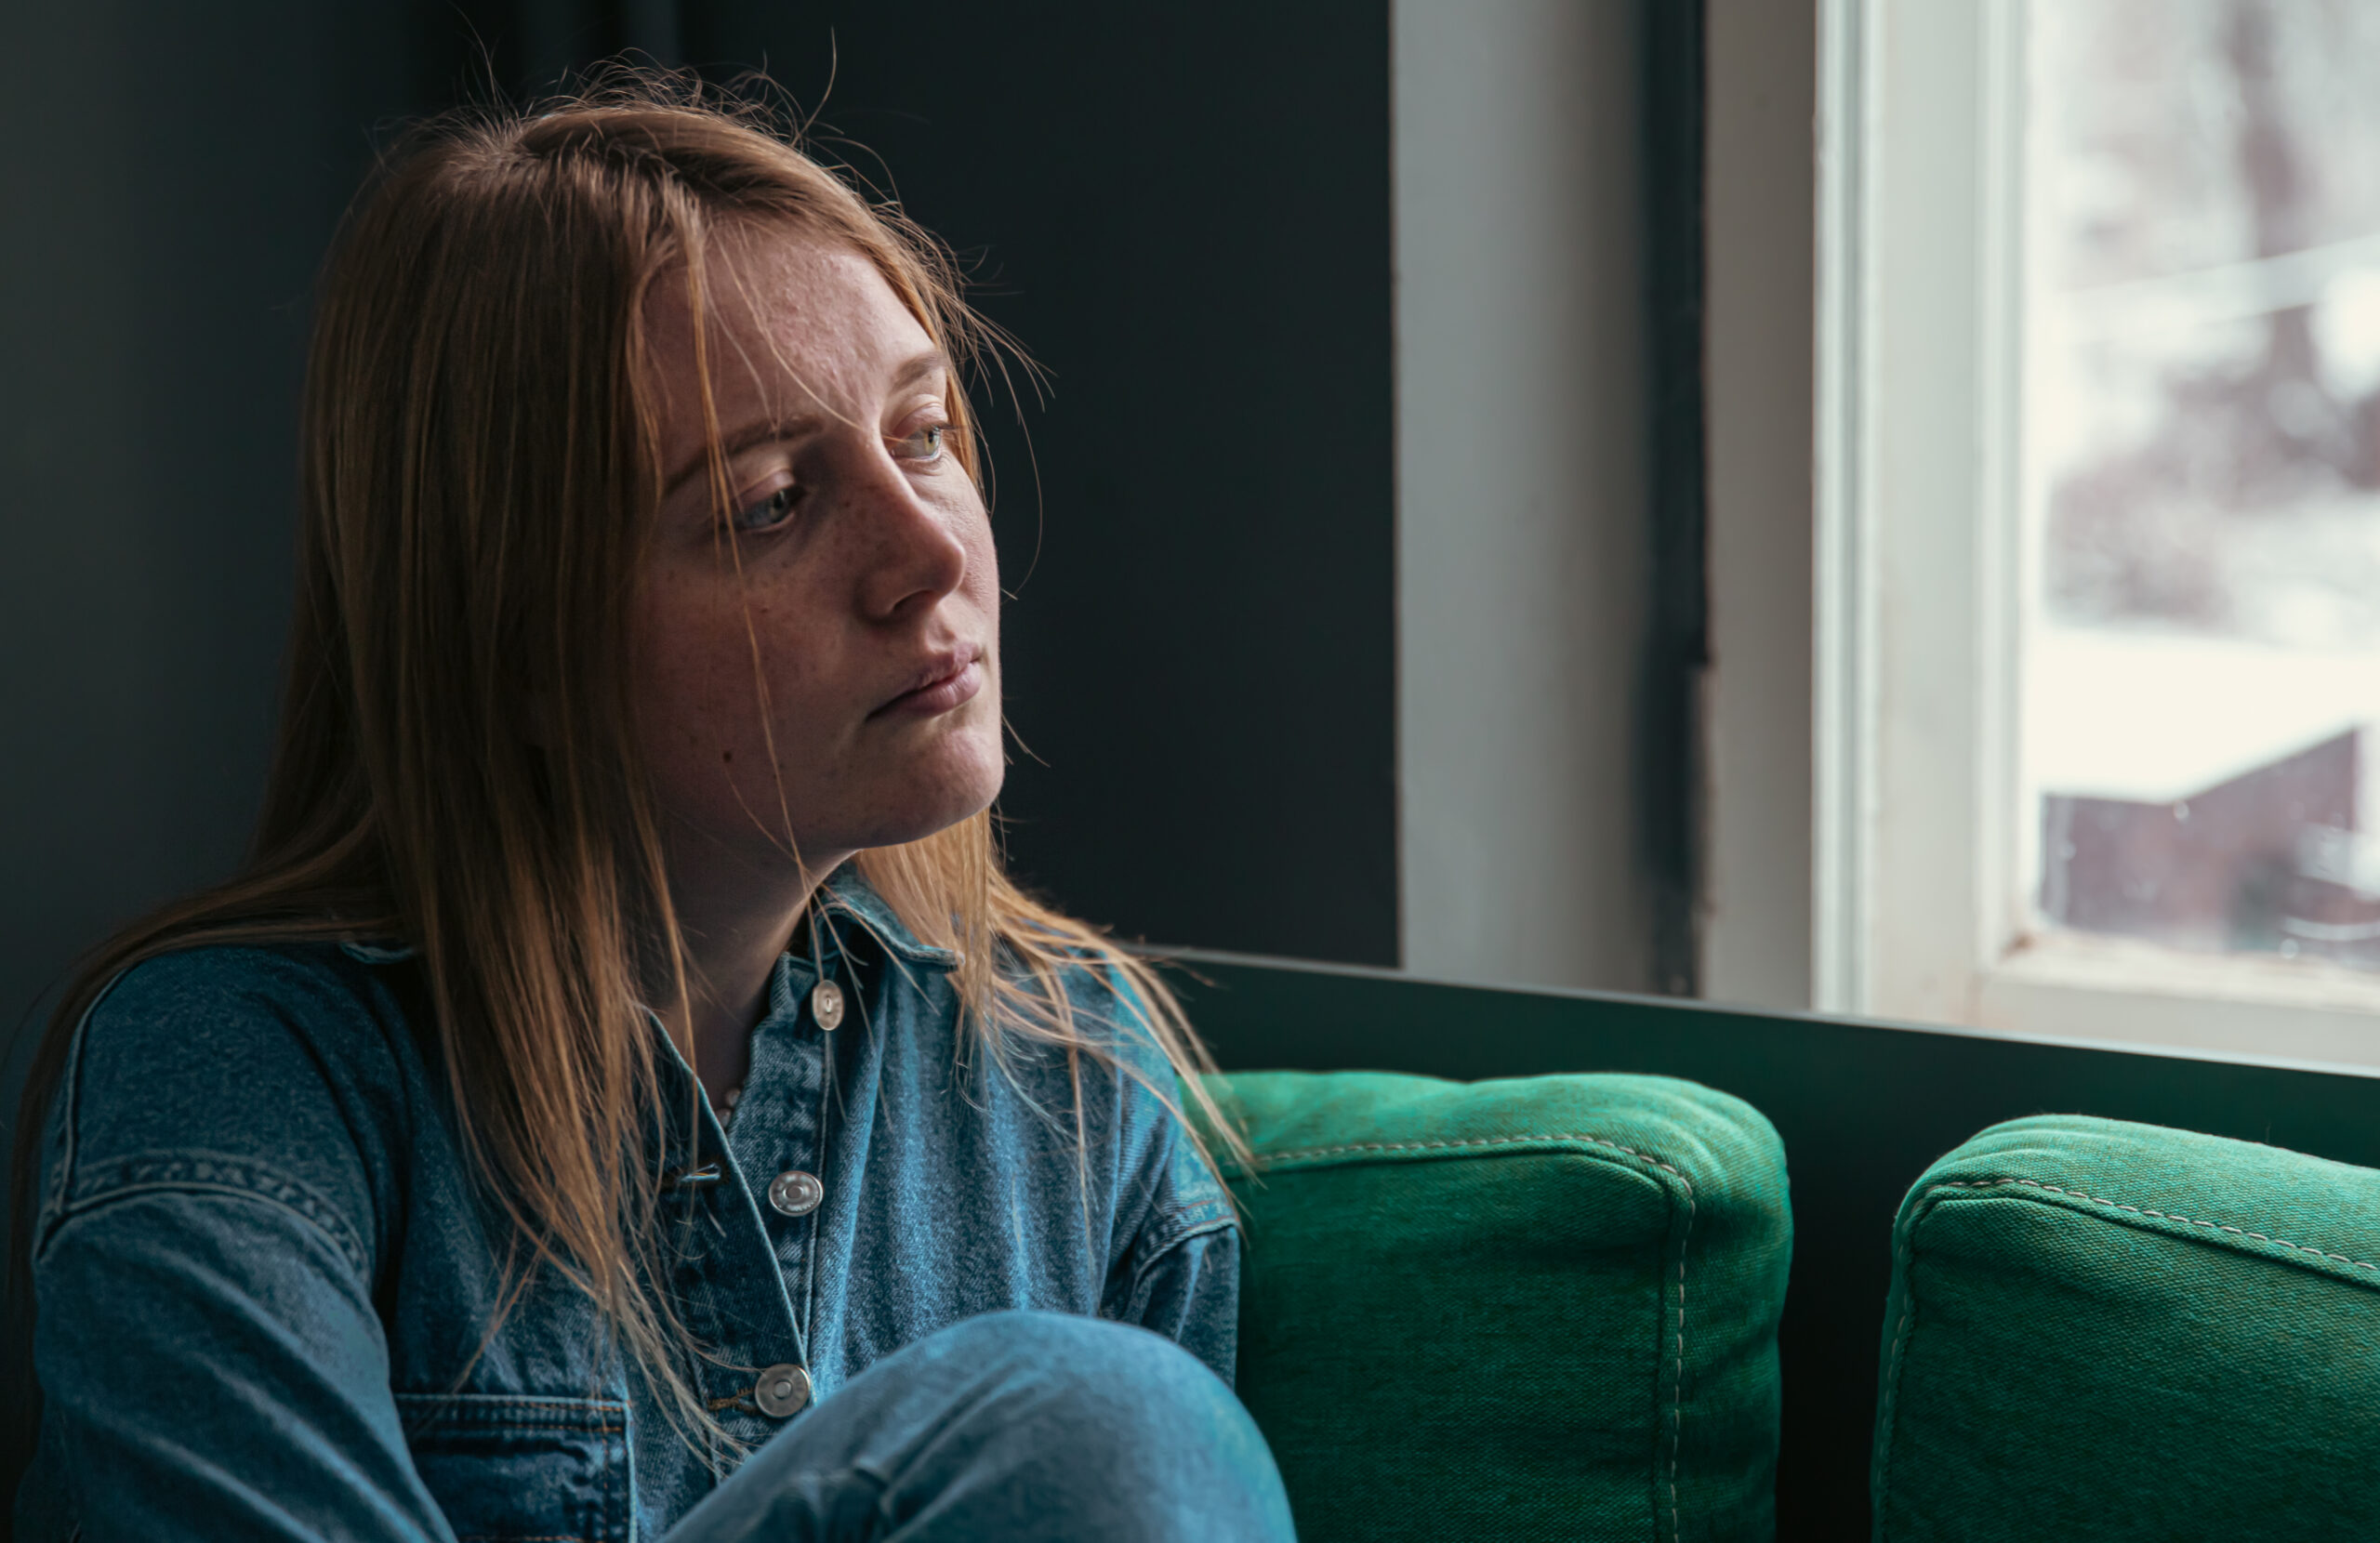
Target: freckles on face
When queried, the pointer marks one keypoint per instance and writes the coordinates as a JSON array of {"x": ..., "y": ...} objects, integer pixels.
[{"x": 817, "y": 665}]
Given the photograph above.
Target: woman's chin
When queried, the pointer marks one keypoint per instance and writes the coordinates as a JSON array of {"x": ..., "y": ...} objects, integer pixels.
[{"x": 954, "y": 793}]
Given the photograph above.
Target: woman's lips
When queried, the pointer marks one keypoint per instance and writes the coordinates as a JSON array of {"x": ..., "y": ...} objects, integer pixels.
[{"x": 938, "y": 695}]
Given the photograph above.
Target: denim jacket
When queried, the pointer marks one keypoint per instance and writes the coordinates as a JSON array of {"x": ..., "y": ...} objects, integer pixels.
[{"x": 264, "y": 1283}]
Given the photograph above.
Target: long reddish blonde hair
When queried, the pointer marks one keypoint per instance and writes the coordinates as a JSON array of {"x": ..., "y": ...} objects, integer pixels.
[{"x": 481, "y": 470}]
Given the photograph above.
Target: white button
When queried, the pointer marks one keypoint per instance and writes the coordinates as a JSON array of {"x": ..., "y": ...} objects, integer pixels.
[
  {"x": 826, "y": 1004},
  {"x": 795, "y": 1193},
  {"x": 782, "y": 1391}
]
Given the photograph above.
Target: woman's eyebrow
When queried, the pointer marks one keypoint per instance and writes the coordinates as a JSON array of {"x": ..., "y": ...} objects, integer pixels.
[
  {"x": 775, "y": 430},
  {"x": 919, "y": 367},
  {"x": 760, "y": 431}
]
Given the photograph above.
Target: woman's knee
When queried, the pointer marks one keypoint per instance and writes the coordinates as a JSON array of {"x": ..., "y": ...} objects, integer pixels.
[
  {"x": 1090, "y": 1349},
  {"x": 1053, "y": 1362},
  {"x": 1095, "y": 1429},
  {"x": 1076, "y": 1399}
]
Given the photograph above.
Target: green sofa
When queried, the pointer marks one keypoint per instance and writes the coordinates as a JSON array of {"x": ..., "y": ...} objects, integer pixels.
[
  {"x": 2107, "y": 1330},
  {"x": 1548, "y": 1308},
  {"x": 1461, "y": 1309},
  {"x": 1535, "y": 1307}
]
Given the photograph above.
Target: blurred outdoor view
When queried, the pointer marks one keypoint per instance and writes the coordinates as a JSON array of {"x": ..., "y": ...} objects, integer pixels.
[{"x": 2202, "y": 621}]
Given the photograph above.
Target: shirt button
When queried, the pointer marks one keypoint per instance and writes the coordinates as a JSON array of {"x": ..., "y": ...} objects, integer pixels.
[
  {"x": 793, "y": 1193},
  {"x": 784, "y": 1390},
  {"x": 826, "y": 1004}
]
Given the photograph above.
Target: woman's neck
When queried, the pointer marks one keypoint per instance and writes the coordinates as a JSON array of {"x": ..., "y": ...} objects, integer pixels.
[{"x": 735, "y": 923}]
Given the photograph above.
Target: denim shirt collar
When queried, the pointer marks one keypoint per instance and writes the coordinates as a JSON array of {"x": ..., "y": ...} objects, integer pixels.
[{"x": 849, "y": 891}]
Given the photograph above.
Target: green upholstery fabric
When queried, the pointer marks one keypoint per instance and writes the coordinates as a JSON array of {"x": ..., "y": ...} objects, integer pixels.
[
  {"x": 2116, "y": 1331},
  {"x": 1542, "y": 1307}
]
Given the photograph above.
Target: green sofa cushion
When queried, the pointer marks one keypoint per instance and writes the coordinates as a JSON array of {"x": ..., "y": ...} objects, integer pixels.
[
  {"x": 2116, "y": 1331},
  {"x": 1540, "y": 1308}
]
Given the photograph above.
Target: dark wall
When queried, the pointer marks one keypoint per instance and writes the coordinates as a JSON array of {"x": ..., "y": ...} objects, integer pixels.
[
  {"x": 174, "y": 175},
  {"x": 1186, "y": 221}
]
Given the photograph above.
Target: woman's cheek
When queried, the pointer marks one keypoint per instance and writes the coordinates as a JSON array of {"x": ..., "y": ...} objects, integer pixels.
[{"x": 696, "y": 709}]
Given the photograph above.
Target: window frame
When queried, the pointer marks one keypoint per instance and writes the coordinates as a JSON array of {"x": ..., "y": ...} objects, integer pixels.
[{"x": 1921, "y": 854}]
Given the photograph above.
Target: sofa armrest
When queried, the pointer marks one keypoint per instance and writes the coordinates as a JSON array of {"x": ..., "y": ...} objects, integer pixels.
[
  {"x": 1535, "y": 1307},
  {"x": 2119, "y": 1331}
]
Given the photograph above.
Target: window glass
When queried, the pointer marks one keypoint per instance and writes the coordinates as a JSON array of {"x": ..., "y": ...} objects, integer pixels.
[{"x": 2200, "y": 579}]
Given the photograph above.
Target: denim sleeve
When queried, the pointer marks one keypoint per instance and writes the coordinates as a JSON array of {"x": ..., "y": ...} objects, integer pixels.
[
  {"x": 1190, "y": 1293},
  {"x": 212, "y": 1369},
  {"x": 1178, "y": 1267},
  {"x": 210, "y": 1359}
]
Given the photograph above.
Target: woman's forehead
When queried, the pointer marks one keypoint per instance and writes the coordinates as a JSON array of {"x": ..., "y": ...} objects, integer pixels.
[
  {"x": 797, "y": 328},
  {"x": 779, "y": 300}
]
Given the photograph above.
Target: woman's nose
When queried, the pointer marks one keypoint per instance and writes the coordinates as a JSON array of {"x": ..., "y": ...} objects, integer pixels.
[{"x": 911, "y": 554}]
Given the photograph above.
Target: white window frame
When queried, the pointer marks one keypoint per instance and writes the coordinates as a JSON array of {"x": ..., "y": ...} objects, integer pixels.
[{"x": 1919, "y": 855}]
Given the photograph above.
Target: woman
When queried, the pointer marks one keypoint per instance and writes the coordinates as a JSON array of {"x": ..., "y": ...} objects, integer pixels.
[{"x": 624, "y": 1094}]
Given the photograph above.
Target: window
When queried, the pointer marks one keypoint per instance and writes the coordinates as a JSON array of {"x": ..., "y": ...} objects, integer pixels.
[{"x": 2099, "y": 529}]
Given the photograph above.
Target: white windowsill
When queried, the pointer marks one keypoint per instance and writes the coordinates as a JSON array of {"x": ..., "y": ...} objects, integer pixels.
[{"x": 2071, "y": 986}]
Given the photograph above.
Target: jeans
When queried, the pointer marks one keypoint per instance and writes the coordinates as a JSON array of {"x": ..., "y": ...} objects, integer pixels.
[{"x": 1015, "y": 1426}]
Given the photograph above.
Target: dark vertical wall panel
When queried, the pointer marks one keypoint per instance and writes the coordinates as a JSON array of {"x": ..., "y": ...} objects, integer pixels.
[
  {"x": 1668, "y": 738},
  {"x": 1184, "y": 214},
  {"x": 176, "y": 173}
]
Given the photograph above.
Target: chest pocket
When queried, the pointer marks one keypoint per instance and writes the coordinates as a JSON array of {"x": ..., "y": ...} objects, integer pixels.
[{"x": 508, "y": 1469}]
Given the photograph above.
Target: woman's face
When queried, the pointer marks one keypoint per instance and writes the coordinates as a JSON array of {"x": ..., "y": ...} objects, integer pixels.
[{"x": 824, "y": 663}]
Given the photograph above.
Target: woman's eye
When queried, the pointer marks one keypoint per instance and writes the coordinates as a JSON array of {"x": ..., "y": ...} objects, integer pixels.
[
  {"x": 772, "y": 511},
  {"x": 927, "y": 444}
]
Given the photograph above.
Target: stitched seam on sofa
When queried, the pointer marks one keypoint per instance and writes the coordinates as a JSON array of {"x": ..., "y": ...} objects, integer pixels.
[
  {"x": 1268, "y": 1159},
  {"x": 2161, "y": 1215},
  {"x": 1678, "y": 1366},
  {"x": 1895, "y": 1362},
  {"x": 1554, "y": 1139}
]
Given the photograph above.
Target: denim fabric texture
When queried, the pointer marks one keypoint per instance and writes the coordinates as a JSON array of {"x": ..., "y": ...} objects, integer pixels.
[
  {"x": 2120, "y": 1332},
  {"x": 1020, "y": 1427},
  {"x": 1543, "y": 1307},
  {"x": 264, "y": 1282}
]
